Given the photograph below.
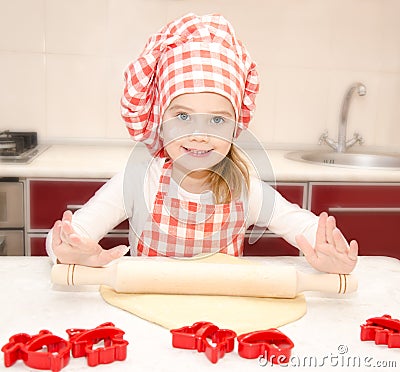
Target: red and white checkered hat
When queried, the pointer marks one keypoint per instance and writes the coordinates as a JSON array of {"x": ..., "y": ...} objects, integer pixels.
[{"x": 189, "y": 55}]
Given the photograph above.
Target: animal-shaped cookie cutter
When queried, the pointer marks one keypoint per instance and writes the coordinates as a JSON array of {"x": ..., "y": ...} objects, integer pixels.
[
  {"x": 198, "y": 337},
  {"x": 383, "y": 330},
  {"x": 41, "y": 351},
  {"x": 271, "y": 344},
  {"x": 84, "y": 343}
]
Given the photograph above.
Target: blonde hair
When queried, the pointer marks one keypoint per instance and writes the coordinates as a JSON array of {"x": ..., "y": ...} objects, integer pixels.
[{"x": 226, "y": 177}]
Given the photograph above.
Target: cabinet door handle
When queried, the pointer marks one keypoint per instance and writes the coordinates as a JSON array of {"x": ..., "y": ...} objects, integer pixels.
[
  {"x": 363, "y": 210},
  {"x": 262, "y": 233},
  {"x": 74, "y": 207}
]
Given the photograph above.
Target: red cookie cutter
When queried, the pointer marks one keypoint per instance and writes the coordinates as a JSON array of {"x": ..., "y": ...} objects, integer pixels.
[
  {"x": 272, "y": 344},
  {"x": 198, "y": 337},
  {"x": 383, "y": 330},
  {"x": 41, "y": 351},
  {"x": 83, "y": 343}
]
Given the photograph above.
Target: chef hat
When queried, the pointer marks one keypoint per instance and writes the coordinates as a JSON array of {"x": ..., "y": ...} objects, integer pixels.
[{"x": 192, "y": 54}]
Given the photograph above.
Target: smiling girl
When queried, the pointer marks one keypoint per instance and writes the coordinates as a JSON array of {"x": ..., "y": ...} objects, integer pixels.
[{"x": 187, "y": 97}]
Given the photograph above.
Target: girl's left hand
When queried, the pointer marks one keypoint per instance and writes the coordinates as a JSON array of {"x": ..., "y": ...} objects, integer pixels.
[{"x": 331, "y": 253}]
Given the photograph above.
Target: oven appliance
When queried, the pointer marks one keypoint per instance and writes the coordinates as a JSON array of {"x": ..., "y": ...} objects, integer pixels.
[
  {"x": 19, "y": 147},
  {"x": 11, "y": 217}
]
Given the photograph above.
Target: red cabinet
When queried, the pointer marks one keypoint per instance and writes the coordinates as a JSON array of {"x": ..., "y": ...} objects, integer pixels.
[
  {"x": 270, "y": 244},
  {"x": 49, "y": 198},
  {"x": 369, "y": 213},
  {"x": 36, "y": 245}
]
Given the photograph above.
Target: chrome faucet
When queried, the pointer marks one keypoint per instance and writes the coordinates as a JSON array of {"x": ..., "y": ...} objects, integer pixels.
[{"x": 341, "y": 145}]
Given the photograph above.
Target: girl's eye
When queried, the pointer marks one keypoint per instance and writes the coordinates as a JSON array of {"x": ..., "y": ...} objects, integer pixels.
[
  {"x": 183, "y": 116},
  {"x": 218, "y": 120}
]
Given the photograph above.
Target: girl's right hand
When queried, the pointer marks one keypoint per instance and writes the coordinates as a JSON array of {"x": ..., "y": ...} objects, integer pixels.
[{"x": 70, "y": 248}]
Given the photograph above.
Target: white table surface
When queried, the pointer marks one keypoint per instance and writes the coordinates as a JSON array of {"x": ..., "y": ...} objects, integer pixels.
[{"x": 330, "y": 327}]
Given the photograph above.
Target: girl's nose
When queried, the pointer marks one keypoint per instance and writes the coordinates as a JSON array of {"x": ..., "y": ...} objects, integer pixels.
[{"x": 200, "y": 137}]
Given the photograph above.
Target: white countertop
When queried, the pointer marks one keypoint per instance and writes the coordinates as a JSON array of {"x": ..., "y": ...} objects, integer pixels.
[
  {"x": 103, "y": 161},
  {"x": 330, "y": 326}
]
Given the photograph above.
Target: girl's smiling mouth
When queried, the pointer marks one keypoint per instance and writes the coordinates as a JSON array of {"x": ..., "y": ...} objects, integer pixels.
[{"x": 196, "y": 152}]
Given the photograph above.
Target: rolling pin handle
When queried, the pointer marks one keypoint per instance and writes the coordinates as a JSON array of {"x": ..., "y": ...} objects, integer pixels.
[
  {"x": 72, "y": 275},
  {"x": 329, "y": 283}
]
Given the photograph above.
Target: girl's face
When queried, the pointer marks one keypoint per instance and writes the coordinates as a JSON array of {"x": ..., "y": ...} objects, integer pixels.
[{"x": 198, "y": 129}]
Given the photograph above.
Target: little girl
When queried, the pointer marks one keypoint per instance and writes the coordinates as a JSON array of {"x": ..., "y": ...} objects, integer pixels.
[{"x": 187, "y": 97}]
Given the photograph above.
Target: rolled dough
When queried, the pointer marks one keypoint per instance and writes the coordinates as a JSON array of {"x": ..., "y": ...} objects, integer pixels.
[{"x": 241, "y": 314}]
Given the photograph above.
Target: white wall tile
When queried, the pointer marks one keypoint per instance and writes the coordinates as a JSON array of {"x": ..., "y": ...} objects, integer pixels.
[
  {"x": 304, "y": 31},
  {"x": 22, "y": 25},
  {"x": 130, "y": 24},
  {"x": 263, "y": 124},
  {"x": 76, "y": 96},
  {"x": 22, "y": 91},
  {"x": 387, "y": 124},
  {"x": 178, "y": 8},
  {"x": 76, "y": 26},
  {"x": 260, "y": 32},
  {"x": 391, "y": 36},
  {"x": 357, "y": 34},
  {"x": 115, "y": 126},
  {"x": 301, "y": 104}
]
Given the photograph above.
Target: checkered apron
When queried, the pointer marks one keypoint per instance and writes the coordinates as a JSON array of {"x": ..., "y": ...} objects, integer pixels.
[{"x": 179, "y": 228}]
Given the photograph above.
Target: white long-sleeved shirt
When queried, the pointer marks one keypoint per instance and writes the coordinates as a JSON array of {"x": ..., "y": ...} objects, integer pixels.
[{"x": 131, "y": 194}]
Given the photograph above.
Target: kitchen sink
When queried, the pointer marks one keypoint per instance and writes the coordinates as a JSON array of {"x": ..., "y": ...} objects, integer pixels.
[{"x": 348, "y": 159}]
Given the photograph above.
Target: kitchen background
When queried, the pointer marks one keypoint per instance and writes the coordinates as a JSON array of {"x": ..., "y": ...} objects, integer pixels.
[{"x": 62, "y": 62}]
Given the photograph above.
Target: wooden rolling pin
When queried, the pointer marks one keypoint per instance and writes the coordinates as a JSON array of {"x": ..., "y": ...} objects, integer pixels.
[{"x": 170, "y": 276}]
